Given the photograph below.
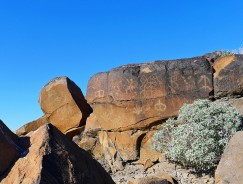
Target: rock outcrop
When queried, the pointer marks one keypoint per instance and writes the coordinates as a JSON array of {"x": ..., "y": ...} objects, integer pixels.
[
  {"x": 130, "y": 103},
  {"x": 54, "y": 158},
  {"x": 9, "y": 149},
  {"x": 133, "y": 101},
  {"x": 144, "y": 93},
  {"x": 64, "y": 106},
  {"x": 230, "y": 167}
]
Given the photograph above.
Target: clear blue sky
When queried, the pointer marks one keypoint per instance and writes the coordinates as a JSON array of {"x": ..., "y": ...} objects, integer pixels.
[{"x": 41, "y": 39}]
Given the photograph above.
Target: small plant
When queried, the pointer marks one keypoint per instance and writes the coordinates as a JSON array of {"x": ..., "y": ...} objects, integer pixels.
[
  {"x": 199, "y": 135},
  {"x": 238, "y": 51},
  {"x": 224, "y": 53}
]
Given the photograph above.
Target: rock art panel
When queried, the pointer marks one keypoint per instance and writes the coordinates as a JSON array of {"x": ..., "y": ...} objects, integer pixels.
[
  {"x": 98, "y": 88},
  {"x": 137, "y": 95}
]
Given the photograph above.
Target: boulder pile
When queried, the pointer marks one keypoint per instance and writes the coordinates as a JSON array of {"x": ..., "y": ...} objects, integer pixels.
[
  {"x": 51, "y": 157},
  {"x": 116, "y": 120}
]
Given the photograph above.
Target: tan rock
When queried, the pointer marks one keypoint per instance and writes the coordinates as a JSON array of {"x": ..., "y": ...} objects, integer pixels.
[
  {"x": 147, "y": 155},
  {"x": 63, "y": 102},
  {"x": 87, "y": 143},
  {"x": 126, "y": 144},
  {"x": 9, "y": 148},
  {"x": 110, "y": 152},
  {"x": 237, "y": 103},
  {"x": 230, "y": 167},
  {"x": 32, "y": 126},
  {"x": 92, "y": 123},
  {"x": 74, "y": 131},
  {"x": 54, "y": 158}
]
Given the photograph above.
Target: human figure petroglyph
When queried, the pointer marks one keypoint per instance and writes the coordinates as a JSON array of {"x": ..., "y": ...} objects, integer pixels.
[
  {"x": 204, "y": 82},
  {"x": 159, "y": 106},
  {"x": 131, "y": 86},
  {"x": 137, "y": 110}
]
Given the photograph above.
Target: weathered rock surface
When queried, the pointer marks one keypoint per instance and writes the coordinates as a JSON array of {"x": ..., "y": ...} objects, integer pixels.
[
  {"x": 9, "y": 149},
  {"x": 230, "y": 167},
  {"x": 144, "y": 93},
  {"x": 54, "y": 158},
  {"x": 64, "y": 104},
  {"x": 119, "y": 147},
  {"x": 148, "y": 156},
  {"x": 228, "y": 77},
  {"x": 237, "y": 103}
]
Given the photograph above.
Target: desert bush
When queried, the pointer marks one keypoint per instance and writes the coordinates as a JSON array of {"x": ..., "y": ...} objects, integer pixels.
[
  {"x": 224, "y": 53},
  {"x": 199, "y": 135}
]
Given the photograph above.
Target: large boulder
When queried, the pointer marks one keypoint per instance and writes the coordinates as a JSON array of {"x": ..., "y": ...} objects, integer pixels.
[
  {"x": 228, "y": 77},
  {"x": 64, "y": 106},
  {"x": 9, "y": 149},
  {"x": 135, "y": 96},
  {"x": 230, "y": 167},
  {"x": 54, "y": 158}
]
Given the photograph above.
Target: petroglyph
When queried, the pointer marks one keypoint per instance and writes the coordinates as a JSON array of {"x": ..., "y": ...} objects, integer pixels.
[
  {"x": 100, "y": 94},
  {"x": 175, "y": 75},
  {"x": 106, "y": 116},
  {"x": 204, "y": 82},
  {"x": 131, "y": 86},
  {"x": 151, "y": 84},
  {"x": 179, "y": 82},
  {"x": 159, "y": 106},
  {"x": 115, "y": 87},
  {"x": 137, "y": 110},
  {"x": 189, "y": 83}
]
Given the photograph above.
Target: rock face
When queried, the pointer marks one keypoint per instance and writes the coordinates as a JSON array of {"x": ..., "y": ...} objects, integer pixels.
[
  {"x": 230, "y": 167},
  {"x": 228, "y": 77},
  {"x": 64, "y": 106},
  {"x": 54, "y": 158},
  {"x": 144, "y": 93},
  {"x": 9, "y": 149}
]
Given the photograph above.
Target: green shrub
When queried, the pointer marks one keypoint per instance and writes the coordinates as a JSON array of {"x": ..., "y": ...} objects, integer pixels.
[
  {"x": 224, "y": 53},
  {"x": 199, "y": 135}
]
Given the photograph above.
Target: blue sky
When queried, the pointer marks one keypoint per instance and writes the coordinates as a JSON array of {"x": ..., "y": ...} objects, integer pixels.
[{"x": 41, "y": 39}]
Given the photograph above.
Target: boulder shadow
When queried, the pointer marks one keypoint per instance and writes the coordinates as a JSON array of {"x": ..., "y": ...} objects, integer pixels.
[{"x": 23, "y": 149}]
